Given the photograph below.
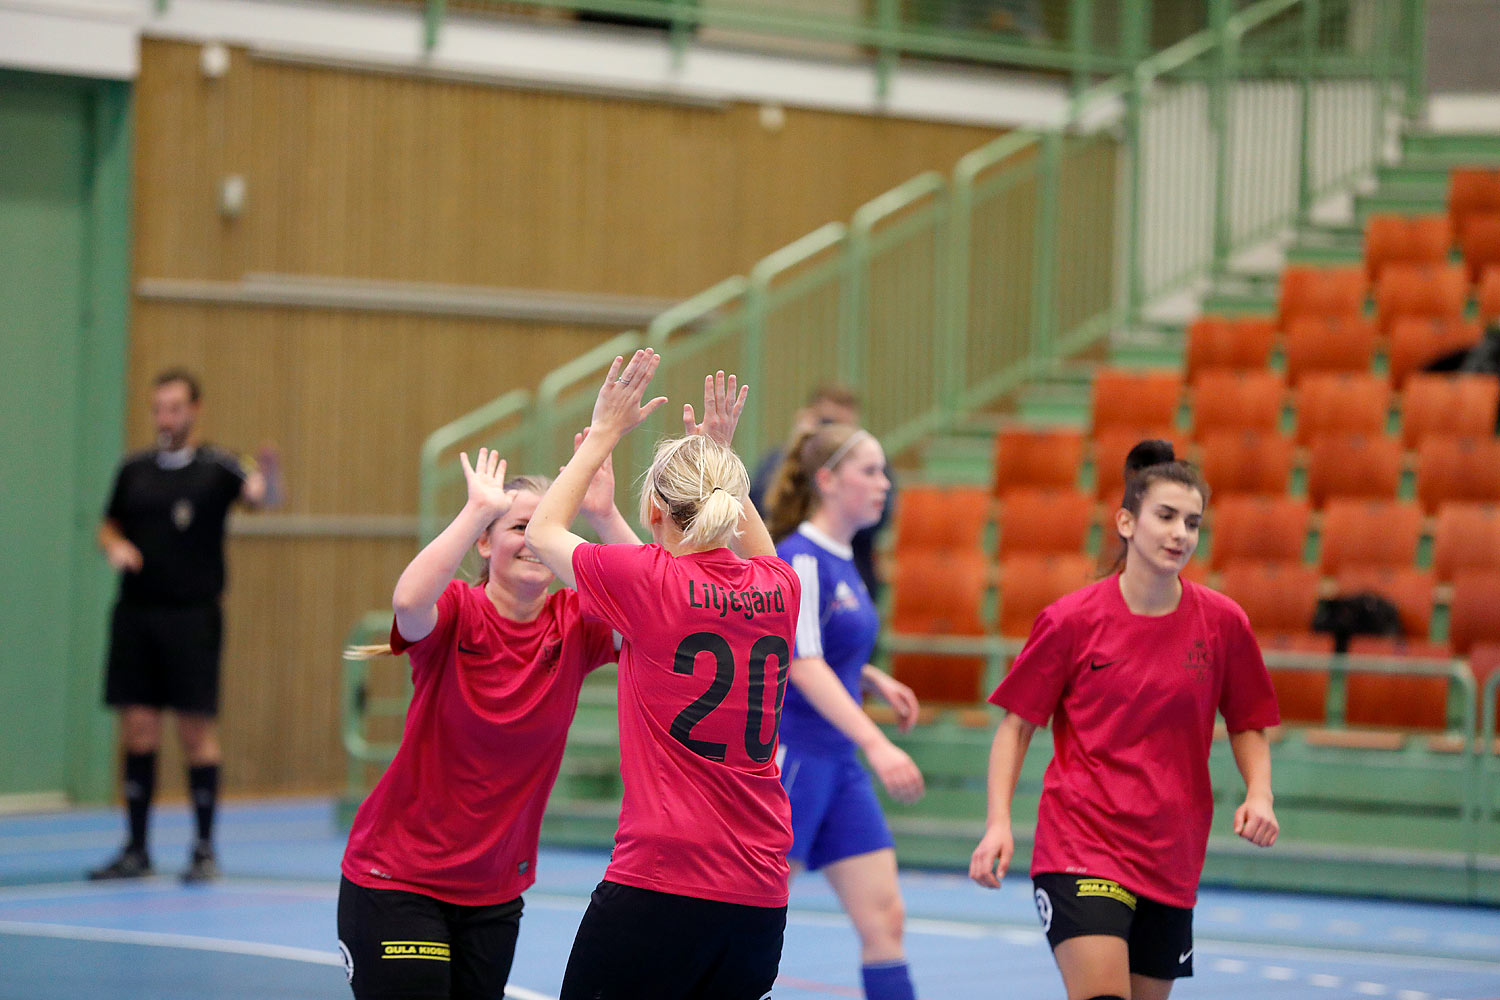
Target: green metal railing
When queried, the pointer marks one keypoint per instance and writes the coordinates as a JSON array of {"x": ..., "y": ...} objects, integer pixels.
[
  {"x": 945, "y": 293},
  {"x": 1085, "y": 39}
]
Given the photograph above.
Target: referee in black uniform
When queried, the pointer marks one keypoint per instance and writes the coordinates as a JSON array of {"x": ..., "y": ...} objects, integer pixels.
[{"x": 164, "y": 532}]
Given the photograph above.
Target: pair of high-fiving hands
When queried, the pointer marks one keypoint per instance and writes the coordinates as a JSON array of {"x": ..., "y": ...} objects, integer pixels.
[
  {"x": 617, "y": 412},
  {"x": 619, "y": 408}
]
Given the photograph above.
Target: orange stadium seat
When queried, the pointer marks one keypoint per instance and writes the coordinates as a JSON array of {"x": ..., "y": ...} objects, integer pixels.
[
  {"x": 1240, "y": 462},
  {"x": 1489, "y": 294},
  {"x": 941, "y": 519},
  {"x": 1472, "y": 190},
  {"x": 939, "y": 594},
  {"x": 1368, "y": 533},
  {"x": 1031, "y": 581},
  {"x": 1353, "y": 466},
  {"x": 1301, "y": 695},
  {"x": 1028, "y": 457},
  {"x": 1435, "y": 292},
  {"x": 1242, "y": 343},
  {"x": 1416, "y": 343},
  {"x": 1126, "y": 397},
  {"x": 1402, "y": 239},
  {"x": 1455, "y": 405},
  {"x": 1267, "y": 529},
  {"x": 1236, "y": 400},
  {"x": 1457, "y": 469},
  {"x": 1467, "y": 536},
  {"x": 1110, "y": 449},
  {"x": 1391, "y": 700},
  {"x": 1481, "y": 243},
  {"x": 1045, "y": 521},
  {"x": 1471, "y": 613},
  {"x": 1328, "y": 344},
  {"x": 1276, "y": 596},
  {"x": 1407, "y": 587},
  {"x": 1341, "y": 404},
  {"x": 1319, "y": 291}
]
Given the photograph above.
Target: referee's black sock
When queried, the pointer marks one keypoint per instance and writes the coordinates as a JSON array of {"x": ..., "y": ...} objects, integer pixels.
[
  {"x": 140, "y": 785},
  {"x": 203, "y": 786}
]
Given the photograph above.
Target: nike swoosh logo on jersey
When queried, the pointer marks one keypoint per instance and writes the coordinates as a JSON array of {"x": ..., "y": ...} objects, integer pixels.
[
  {"x": 1101, "y": 666},
  {"x": 465, "y": 649},
  {"x": 1184, "y": 956}
]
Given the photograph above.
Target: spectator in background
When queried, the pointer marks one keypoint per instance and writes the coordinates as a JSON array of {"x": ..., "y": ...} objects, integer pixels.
[
  {"x": 829, "y": 404},
  {"x": 164, "y": 532}
]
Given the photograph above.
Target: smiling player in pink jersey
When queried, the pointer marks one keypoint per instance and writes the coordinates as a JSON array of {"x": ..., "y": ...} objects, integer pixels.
[
  {"x": 441, "y": 850},
  {"x": 1131, "y": 671}
]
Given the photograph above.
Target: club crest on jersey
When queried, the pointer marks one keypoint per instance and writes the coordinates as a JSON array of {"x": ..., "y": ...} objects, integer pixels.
[
  {"x": 182, "y": 514},
  {"x": 551, "y": 653},
  {"x": 844, "y": 597},
  {"x": 1198, "y": 661}
]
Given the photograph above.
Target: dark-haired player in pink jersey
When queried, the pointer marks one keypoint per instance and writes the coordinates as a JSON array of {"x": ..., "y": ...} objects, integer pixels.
[
  {"x": 443, "y": 847},
  {"x": 693, "y": 904},
  {"x": 1132, "y": 671}
]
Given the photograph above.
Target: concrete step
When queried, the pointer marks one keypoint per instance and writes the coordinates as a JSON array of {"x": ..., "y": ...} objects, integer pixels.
[
  {"x": 1426, "y": 201},
  {"x": 1452, "y": 147},
  {"x": 1149, "y": 347},
  {"x": 1240, "y": 303}
]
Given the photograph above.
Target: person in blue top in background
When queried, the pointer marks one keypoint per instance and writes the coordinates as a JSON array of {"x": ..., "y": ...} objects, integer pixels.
[{"x": 831, "y": 484}]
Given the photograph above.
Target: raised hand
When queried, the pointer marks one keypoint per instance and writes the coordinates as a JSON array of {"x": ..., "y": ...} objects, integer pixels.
[
  {"x": 486, "y": 482},
  {"x": 599, "y": 499},
  {"x": 722, "y": 407},
  {"x": 618, "y": 409}
]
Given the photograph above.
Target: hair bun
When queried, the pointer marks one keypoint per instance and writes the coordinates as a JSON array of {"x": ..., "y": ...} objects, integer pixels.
[{"x": 1147, "y": 454}]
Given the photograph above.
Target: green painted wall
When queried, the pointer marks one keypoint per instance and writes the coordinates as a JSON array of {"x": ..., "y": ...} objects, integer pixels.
[{"x": 64, "y": 272}]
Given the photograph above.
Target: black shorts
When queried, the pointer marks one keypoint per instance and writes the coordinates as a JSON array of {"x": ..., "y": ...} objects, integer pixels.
[
  {"x": 405, "y": 946},
  {"x": 165, "y": 657},
  {"x": 636, "y": 944},
  {"x": 1160, "y": 936}
]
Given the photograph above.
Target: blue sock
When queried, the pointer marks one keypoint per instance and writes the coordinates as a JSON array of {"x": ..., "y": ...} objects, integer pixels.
[{"x": 888, "y": 981}]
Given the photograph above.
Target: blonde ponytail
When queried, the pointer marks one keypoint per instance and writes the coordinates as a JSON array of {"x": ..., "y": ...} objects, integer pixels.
[
  {"x": 701, "y": 485},
  {"x": 371, "y": 652}
]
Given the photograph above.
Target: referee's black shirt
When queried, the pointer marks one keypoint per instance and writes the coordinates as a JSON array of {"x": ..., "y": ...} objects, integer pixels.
[{"x": 175, "y": 516}]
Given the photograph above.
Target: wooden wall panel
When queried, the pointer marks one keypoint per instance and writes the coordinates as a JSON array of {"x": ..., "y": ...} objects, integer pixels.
[
  {"x": 347, "y": 397},
  {"x": 382, "y": 176}
]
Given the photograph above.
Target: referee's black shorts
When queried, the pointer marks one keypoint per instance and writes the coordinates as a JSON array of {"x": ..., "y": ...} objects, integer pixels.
[
  {"x": 637, "y": 944},
  {"x": 165, "y": 656},
  {"x": 400, "y": 945}
]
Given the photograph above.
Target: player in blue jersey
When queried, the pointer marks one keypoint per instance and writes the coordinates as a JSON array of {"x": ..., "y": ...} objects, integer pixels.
[{"x": 831, "y": 484}]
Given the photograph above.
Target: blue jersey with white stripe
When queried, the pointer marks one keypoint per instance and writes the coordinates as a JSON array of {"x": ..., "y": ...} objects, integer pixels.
[{"x": 838, "y": 623}]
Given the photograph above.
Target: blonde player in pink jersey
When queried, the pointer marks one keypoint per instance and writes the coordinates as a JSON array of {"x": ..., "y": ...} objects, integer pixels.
[
  {"x": 441, "y": 850},
  {"x": 693, "y": 904},
  {"x": 1131, "y": 671}
]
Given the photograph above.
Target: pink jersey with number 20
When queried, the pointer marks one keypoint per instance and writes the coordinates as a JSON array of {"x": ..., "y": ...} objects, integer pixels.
[{"x": 703, "y": 671}]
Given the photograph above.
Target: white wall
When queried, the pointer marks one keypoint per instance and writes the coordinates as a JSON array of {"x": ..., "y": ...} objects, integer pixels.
[{"x": 99, "y": 38}]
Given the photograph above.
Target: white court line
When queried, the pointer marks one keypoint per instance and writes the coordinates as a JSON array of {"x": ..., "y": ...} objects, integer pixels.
[
  {"x": 224, "y": 946},
  {"x": 252, "y": 833}
]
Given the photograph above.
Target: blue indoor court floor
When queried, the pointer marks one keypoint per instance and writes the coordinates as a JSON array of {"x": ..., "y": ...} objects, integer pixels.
[{"x": 266, "y": 930}]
